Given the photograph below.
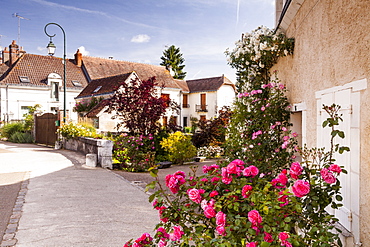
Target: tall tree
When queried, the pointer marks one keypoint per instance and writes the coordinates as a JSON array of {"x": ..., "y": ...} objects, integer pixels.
[{"x": 173, "y": 60}]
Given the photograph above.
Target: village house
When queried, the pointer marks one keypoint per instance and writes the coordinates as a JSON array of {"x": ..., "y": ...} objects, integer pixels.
[
  {"x": 28, "y": 79},
  {"x": 331, "y": 64},
  {"x": 200, "y": 99}
]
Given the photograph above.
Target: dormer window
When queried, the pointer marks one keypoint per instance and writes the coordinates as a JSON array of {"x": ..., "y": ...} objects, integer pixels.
[
  {"x": 97, "y": 89},
  {"x": 24, "y": 79},
  {"x": 76, "y": 83}
]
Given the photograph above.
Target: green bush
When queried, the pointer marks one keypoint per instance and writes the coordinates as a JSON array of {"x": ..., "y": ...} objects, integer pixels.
[
  {"x": 179, "y": 147},
  {"x": 21, "y": 137},
  {"x": 11, "y": 128}
]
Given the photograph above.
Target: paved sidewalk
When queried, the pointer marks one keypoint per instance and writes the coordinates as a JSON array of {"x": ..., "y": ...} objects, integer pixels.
[{"x": 68, "y": 204}]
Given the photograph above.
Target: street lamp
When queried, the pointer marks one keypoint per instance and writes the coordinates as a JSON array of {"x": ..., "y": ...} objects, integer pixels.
[{"x": 51, "y": 50}]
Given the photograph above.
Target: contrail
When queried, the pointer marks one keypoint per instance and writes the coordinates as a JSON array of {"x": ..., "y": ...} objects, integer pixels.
[
  {"x": 44, "y": 2},
  {"x": 237, "y": 12}
]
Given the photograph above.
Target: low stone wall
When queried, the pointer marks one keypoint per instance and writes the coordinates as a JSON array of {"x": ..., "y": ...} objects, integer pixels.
[{"x": 102, "y": 148}]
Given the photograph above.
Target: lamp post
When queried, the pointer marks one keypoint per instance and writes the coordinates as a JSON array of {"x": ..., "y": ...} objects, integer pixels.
[{"x": 51, "y": 50}]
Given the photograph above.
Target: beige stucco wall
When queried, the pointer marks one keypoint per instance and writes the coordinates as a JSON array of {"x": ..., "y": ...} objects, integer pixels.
[{"x": 332, "y": 49}]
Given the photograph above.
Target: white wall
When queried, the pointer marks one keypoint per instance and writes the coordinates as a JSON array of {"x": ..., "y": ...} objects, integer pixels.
[{"x": 12, "y": 98}]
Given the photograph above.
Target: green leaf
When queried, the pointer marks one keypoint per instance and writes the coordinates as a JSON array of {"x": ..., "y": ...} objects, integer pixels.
[
  {"x": 338, "y": 197},
  {"x": 325, "y": 123},
  {"x": 265, "y": 244},
  {"x": 154, "y": 173},
  {"x": 341, "y": 134}
]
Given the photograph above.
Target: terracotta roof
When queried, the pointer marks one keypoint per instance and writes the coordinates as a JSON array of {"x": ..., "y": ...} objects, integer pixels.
[
  {"x": 37, "y": 68},
  {"x": 98, "y": 108},
  {"x": 101, "y": 67},
  {"x": 103, "y": 86},
  {"x": 183, "y": 85},
  {"x": 208, "y": 84},
  {"x": 3, "y": 68}
]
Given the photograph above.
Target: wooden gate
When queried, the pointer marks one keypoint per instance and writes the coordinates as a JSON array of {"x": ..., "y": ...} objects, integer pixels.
[{"x": 45, "y": 129}]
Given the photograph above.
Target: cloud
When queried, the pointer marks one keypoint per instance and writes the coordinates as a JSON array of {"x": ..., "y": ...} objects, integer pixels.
[
  {"x": 84, "y": 51},
  {"x": 141, "y": 38}
]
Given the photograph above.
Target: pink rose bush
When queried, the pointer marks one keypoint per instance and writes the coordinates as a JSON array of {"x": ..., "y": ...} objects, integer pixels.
[{"x": 260, "y": 195}]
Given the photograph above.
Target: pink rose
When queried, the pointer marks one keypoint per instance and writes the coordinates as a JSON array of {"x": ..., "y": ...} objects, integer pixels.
[
  {"x": 226, "y": 177},
  {"x": 220, "y": 219},
  {"x": 254, "y": 217},
  {"x": 335, "y": 168},
  {"x": 235, "y": 167},
  {"x": 174, "y": 181},
  {"x": 328, "y": 176},
  {"x": 221, "y": 230},
  {"x": 283, "y": 236},
  {"x": 251, "y": 244},
  {"x": 301, "y": 188},
  {"x": 176, "y": 234},
  {"x": 295, "y": 170},
  {"x": 213, "y": 193},
  {"x": 209, "y": 212},
  {"x": 281, "y": 180},
  {"x": 250, "y": 171},
  {"x": 194, "y": 195},
  {"x": 246, "y": 191},
  {"x": 268, "y": 238}
]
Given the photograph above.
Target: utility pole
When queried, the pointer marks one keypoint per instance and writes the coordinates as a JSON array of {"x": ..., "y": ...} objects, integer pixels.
[{"x": 19, "y": 26}]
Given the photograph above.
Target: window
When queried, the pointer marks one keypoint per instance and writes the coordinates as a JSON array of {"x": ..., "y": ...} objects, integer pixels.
[
  {"x": 185, "y": 122},
  {"x": 164, "y": 121},
  {"x": 97, "y": 89},
  {"x": 166, "y": 97},
  {"x": 348, "y": 97},
  {"x": 55, "y": 91},
  {"x": 203, "y": 101},
  {"x": 173, "y": 120},
  {"x": 24, "y": 79},
  {"x": 24, "y": 110},
  {"x": 185, "y": 102},
  {"x": 76, "y": 84}
]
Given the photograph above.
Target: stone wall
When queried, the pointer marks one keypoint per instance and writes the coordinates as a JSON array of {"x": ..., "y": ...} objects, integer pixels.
[{"x": 102, "y": 148}]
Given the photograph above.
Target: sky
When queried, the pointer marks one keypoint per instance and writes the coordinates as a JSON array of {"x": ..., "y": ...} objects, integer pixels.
[{"x": 137, "y": 30}]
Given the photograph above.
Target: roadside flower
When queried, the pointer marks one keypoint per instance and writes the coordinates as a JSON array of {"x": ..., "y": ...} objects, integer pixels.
[
  {"x": 246, "y": 191},
  {"x": 220, "y": 218},
  {"x": 254, "y": 217},
  {"x": 281, "y": 180},
  {"x": 251, "y": 244},
  {"x": 221, "y": 230},
  {"x": 250, "y": 171},
  {"x": 195, "y": 195},
  {"x": 213, "y": 193},
  {"x": 226, "y": 177},
  {"x": 328, "y": 176},
  {"x": 295, "y": 170},
  {"x": 268, "y": 237},
  {"x": 174, "y": 181},
  {"x": 177, "y": 233},
  {"x": 301, "y": 188},
  {"x": 335, "y": 168}
]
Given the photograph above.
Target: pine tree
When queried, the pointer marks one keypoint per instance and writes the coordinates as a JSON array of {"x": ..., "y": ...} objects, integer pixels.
[{"x": 172, "y": 59}]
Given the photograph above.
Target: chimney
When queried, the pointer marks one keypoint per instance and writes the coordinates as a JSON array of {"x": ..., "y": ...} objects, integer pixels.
[
  {"x": 5, "y": 55},
  {"x": 78, "y": 58},
  {"x": 13, "y": 52}
]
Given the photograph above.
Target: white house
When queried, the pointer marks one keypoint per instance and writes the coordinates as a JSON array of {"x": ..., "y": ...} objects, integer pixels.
[{"x": 28, "y": 79}]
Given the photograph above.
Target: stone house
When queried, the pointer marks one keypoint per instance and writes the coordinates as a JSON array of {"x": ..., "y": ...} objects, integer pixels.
[
  {"x": 28, "y": 79},
  {"x": 331, "y": 64}
]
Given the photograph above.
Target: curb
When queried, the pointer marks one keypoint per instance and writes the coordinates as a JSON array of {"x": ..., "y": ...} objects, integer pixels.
[{"x": 9, "y": 238}]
